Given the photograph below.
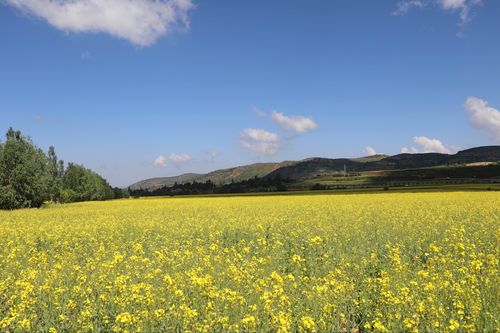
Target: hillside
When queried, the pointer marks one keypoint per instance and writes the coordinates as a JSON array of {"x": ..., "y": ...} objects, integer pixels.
[
  {"x": 155, "y": 183},
  {"x": 222, "y": 176},
  {"x": 317, "y": 167}
]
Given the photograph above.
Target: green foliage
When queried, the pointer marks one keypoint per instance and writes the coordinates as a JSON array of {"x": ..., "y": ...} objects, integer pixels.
[
  {"x": 82, "y": 184},
  {"x": 24, "y": 173},
  {"x": 256, "y": 184},
  {"x": 56, "y": 172},
  {"x": 68, "y": 195},
  {"x": 121, "y": 193},
  {"x": 9, "y": 199},
  {"x": 28, "y": 177}
]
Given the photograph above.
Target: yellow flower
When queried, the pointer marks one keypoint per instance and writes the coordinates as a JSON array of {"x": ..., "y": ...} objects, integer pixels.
[
  {"x": 248, "y": 322},
  {"x": 159, "y": 313},
  {"x": 454, "y": 325},
  {"x": 124, "y": 318},
  {"x": 404, "y": 262},
  {"x": 307, "y": 324},
  {"x": 297, "y": 259}
]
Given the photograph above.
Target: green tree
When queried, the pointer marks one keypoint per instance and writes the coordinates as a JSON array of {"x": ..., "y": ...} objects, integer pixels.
[
  {"x": 82, "y": 184},
  {"x": 55, "y": 175},
  {"x": 23, "y": 173},
  {"x": 120, "y": 193}
]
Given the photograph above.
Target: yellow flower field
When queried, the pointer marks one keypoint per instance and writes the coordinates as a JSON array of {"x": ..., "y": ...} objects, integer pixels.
[{"x": 426, "y": 262}]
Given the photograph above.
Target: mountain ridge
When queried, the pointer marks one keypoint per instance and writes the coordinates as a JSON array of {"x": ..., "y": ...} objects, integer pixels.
[{"x": 320, "y": 166}]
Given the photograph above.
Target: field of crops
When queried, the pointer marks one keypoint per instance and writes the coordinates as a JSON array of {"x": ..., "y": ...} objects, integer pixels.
[{"x": 425, "y": 262}]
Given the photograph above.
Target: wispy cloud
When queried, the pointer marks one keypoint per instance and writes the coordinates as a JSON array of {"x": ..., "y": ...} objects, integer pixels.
[
  {"x": 409, "y": 150},
  {"x": 258, "y": 111},
  {"x": 428, "y": 145},
  {"x": 484, "y": 117},
  {"x": 176, "y": 159},
  {"x": 141, "y": 22},
  {"x": 369, "y": 151},
  {"x": 160, "y": 161},
  {"x": 462, "y": 7},
  {"x": 260, "y": 141},
  {"x": 405, "y": 6},
  {"x": 269, "y": 143},
  {"x": 298, "y": 124},
  {"x": 179, "y": 158}
]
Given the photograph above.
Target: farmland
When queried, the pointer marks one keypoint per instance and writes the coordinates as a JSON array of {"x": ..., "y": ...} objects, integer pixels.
[{"x": 386, "y": 262}]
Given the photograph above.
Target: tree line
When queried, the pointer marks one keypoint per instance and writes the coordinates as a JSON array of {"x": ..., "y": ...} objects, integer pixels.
[
  {"x": 29, "y": 177},
  {"x": 256, "y": 184}
]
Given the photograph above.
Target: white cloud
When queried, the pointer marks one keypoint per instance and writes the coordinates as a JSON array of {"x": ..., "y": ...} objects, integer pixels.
[
  {"x": 404, "y": 7},
  {"x": 369, "y": 151},
  {"x": 410, "y": 150},
  {"x": 463, "y": 7},
  {"x": 432, "y": 145},
  {"x": 141, "y": 22},
  {"x": 299, "y": 124},
  {"x": 260, "y": 141},
  {"x": 260, "y": 135},
  {"x": 264, "y": 142},
  {"x": 452, "y": 4},
  {"x": 484, "y": 117},
  {"x": 179, "y": 158},
  {"x": 160, "y": 161},
  {"x": 428, "y": 145}
]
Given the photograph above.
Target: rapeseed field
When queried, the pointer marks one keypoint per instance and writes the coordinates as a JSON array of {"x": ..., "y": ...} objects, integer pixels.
[{"x": 426, "y": 262}]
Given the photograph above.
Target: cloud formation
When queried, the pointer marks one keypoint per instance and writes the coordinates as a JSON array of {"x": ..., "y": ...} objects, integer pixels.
[
  {"x": 299, "y": 124},
  {"x": 141, "y": 22},
  {"x": 463, "y": 7},
  {"x": 369, "y": 151},
  {"x": 428, "y": 145},
  {"x": 405, "y": 6},
  {"x": 179, "y": 158},
  {"x": 260, "y": 141},
  {"x": 269, "y": 143},
  {"x": 484, "y": 117},
  {"x": 409, "y": 150},
  {"x": 160, "y": 161}
]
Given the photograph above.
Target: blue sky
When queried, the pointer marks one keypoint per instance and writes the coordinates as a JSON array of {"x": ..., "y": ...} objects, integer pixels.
[{"x": 159, "y": 89}]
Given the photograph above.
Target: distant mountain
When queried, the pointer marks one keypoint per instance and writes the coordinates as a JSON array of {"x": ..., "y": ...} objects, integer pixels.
[
  {"x": 155, "y": 183},
  {"x": 310, "y": 168},
  {"x": 314, "y": 167},
  {"x": 222, "y": 176}
]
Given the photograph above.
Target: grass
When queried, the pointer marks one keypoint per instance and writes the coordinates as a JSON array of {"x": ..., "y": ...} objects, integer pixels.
[{"x": 358, "y": 190}]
